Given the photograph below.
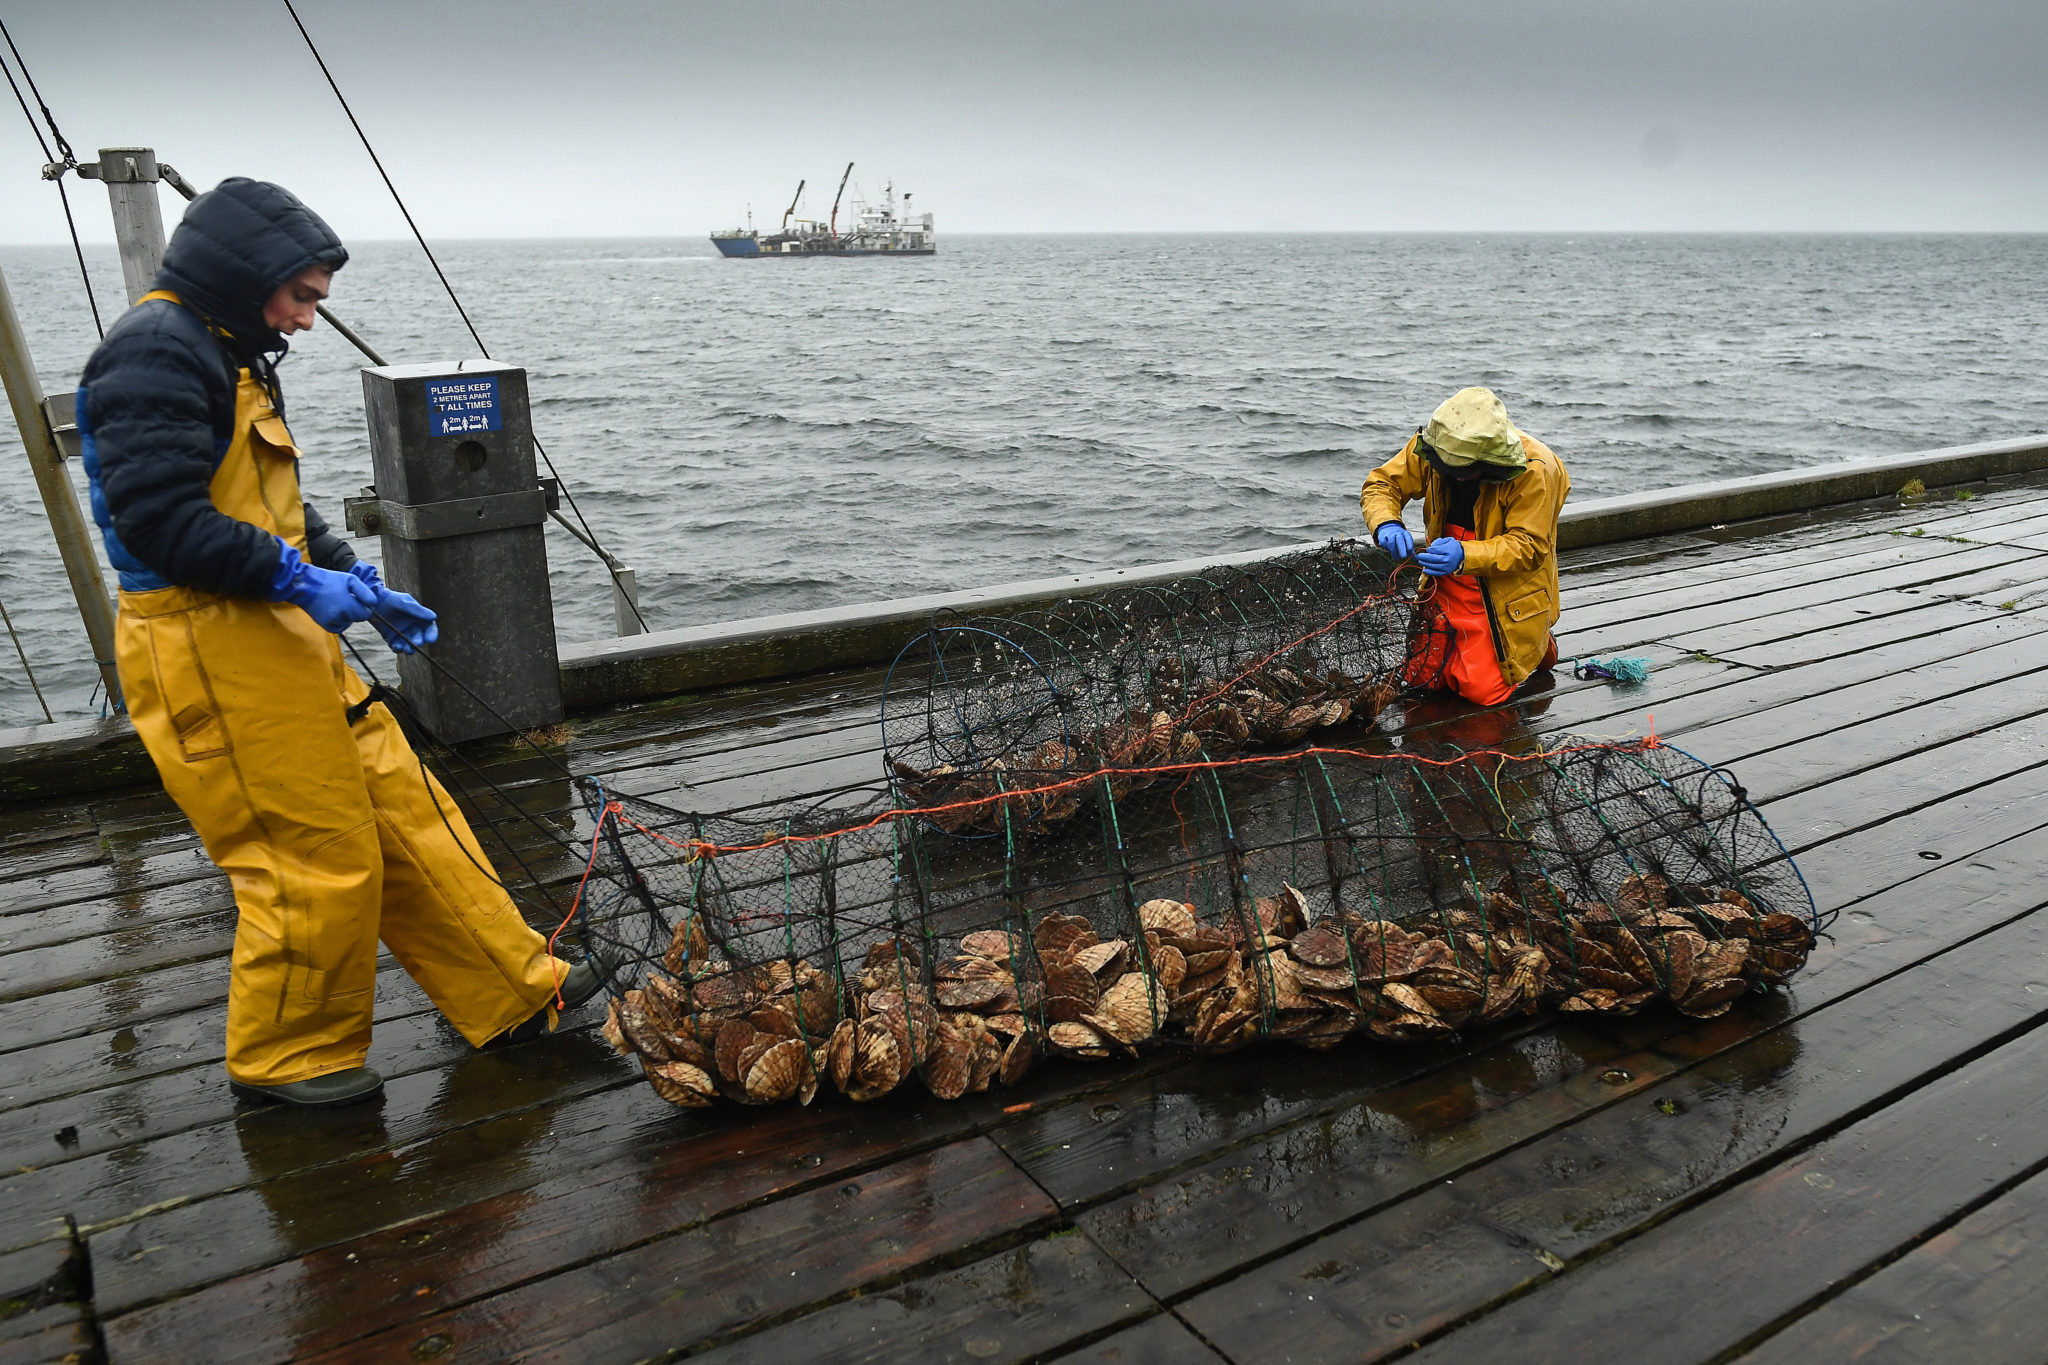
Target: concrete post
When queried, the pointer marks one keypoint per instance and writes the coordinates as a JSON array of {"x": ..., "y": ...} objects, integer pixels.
[
  {"x": 67, "y": 522},
  {"x": 130, "y": 175},
  {"x": 460, "y": 512}
]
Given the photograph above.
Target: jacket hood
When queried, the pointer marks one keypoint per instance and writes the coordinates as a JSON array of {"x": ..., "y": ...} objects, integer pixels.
[{"x": 235, "y": 245}]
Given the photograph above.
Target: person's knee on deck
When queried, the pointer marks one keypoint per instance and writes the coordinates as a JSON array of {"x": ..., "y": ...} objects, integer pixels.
[{"x": 1491, "y": 496}]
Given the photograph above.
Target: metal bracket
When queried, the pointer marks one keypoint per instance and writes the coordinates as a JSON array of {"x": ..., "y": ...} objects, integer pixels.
[
  {"x": 136, "y": 166},
  {"x": 60, "y": 410},
  {"x": 440, "y": 520}
]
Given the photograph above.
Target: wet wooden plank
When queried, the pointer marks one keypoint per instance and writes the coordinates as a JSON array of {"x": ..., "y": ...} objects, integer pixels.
[
  {"x": 192, "y": 1142},
  {"x": 113, "y": 879},
  {"x": 1196, "y": 1226},
  {"x": 1868, "y": 830},
  {"x": 1778, "y": 640},
  {"x": 1761, "y": 577},
  {"x": 1627, "y": 1166},
  {"x": 1014, "y": 1306},
  {"x": 1162, "y": 1340},
  {"x": 130, "y": 1053},
  {"x": 1179, "y": 1231},
  {"x": 483, "y": 1228},
  {"x": 1873, "y": 596},
  {"x": 1714, "y": 1276},
  {"x": 717, "y": 1279},
  {"x": 1970, "y": 1293}
]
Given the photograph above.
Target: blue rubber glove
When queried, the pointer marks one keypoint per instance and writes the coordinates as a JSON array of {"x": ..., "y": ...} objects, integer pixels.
[
  {"x": 1393, "y": 537},
  {"x": 1445, "y": 555},
  {"x": 335, "y": 600},
  {"x": 400, "y": 619}
]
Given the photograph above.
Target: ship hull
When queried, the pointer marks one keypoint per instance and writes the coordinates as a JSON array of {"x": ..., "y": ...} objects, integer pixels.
[{"x": 736, "y": 246}]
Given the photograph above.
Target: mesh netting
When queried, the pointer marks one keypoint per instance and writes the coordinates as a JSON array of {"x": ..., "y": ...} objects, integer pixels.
[
  {"x": 1234, "y": 660},
  {"x": 1303, "y": 896}
]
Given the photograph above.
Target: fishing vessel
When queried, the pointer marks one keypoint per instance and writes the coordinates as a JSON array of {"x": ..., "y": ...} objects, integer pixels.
[{"x": 876, "y": 230}]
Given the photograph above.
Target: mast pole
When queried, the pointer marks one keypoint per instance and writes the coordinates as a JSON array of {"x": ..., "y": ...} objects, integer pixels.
[
  {"x": 130, "y": 175},
  {"x": 60, "y": 500}
]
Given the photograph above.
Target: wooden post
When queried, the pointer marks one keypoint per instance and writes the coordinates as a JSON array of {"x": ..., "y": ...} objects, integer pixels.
[
  {"x": 67, "y": 523},
  {"x": 130, "y": 175}
]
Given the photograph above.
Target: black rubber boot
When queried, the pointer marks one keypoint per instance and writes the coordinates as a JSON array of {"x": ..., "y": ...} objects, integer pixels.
[
  {"x": 583, "y": 981},
  {"x": 352, "y": 1086}
]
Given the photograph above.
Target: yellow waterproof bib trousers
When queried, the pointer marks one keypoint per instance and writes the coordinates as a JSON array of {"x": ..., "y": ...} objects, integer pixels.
[{"x": 327, "y": 831}]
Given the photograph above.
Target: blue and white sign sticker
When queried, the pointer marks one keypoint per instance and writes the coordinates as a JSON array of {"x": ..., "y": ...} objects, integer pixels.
[{"x": 455, "y": 406}]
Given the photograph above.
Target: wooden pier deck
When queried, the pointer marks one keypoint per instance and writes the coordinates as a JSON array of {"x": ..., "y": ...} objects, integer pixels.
[{"x": 1854, "y": 1167}]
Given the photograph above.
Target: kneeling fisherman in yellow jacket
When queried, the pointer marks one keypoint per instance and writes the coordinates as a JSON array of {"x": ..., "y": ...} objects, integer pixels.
[
  {"x": 1491, "y": 495},
  {"x": 233, "y": 593}
]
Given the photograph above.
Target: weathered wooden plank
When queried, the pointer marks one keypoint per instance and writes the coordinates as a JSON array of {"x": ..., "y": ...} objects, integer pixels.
[
  {"x": 1161, "y": 1340},
  {"x": 1765, "y": 575},
  {"x": 1777, "y": 640},
  {"x": 1271, "y": 1194},
  {"x": 482, "y": 1227},
  {"x": 1872, "y": 595},
  {"x": 125, "y": 915},
  {"x": 1622, "y": 1168},
  {"x": 723, "y": 1276},
  {"x": 66, "y": 1340},
  {"x": 178, "y": 1150},
  {"x": 128, "y": 1053},
  {"x": 1013, "y": 1306},
  {"x": 1971, "y": 1293},
  {"x": 1179, "y": 1231},
  {"x": 1714, "y": 1276},
  {"x": 1919, "y": 810},
  {"x": 115, "y": 879}
]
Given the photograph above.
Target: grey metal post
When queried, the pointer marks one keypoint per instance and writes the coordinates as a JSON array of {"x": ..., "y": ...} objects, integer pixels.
[
  {"x": 130, "y": 175},
  {"x": 460, "y": 509},
  {"x": 60, "y": 500}
]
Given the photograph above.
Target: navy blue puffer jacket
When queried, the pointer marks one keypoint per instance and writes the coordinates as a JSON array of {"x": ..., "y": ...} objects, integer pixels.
[{"x": 156, "y": 405}]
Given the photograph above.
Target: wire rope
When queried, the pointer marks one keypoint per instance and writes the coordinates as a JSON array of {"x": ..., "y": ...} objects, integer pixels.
[
  {"x": 69, "y": 162},
  {"x": 605, "y": 557}
]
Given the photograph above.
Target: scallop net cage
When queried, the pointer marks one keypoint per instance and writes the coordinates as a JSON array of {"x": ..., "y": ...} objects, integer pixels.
[
  {"x": 1237, "y": 659},
  {"x": 1308, "y": 896}
]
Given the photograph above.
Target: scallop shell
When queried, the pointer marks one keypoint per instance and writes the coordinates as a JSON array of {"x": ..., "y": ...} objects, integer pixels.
[
  {"x": 777, "y": 1072},
  {"x": 1077, "y": 1038},
  {"x": 992, "y": 944},
  {"x": 1131, "y": 1010},
  {"x": 681, "y": 1084},
  {"x": 613, "y": 1032},
  {"x": 1102, "y": 958},
  {"x": 1064, "y": 934},
  {"x": 735, "y": 1036},
  {"x": 1018, "y": 1057},
  {"x": 950, "y": 1064},
  {"x": 1321, "y": 946},
  {"x": 839, "y": 1055},
  {"x": 1167, "y": 916}
]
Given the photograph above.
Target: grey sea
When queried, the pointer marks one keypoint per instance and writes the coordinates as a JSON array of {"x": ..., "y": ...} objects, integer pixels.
[{"x": 763, "y": 436}]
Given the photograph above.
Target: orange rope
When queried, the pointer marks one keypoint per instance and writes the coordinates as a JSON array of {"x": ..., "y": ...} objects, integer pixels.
[
  {"x": 612, "y": 810},
  {"x": 699, "y": 848}
]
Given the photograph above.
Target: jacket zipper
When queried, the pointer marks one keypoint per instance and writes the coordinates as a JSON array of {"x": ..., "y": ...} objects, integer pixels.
[{"x": 1500, "y": 644}]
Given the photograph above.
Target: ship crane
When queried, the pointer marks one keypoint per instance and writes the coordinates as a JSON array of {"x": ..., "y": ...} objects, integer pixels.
[
  {"x": 792, "y": 205},
  {"x": 835, "y": 200}
]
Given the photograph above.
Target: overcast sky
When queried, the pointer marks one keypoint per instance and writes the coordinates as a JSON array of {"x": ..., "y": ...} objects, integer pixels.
[{"x": 630, "y": 117}]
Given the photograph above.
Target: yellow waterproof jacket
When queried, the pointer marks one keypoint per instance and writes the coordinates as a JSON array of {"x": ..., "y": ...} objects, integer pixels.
[{"x": 1514, "y": 552}]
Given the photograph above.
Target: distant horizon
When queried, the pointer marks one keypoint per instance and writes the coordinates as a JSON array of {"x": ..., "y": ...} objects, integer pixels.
[{"x": 107, "y": 243}]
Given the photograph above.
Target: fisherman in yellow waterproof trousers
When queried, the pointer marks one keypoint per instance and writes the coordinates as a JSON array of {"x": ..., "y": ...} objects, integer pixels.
[
  {"x": 233, "y": 597},
  {"x": 1491, "y": 495}
]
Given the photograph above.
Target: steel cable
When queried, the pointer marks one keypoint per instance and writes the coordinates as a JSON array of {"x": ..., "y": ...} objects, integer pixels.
[{"x": 605, "y": 557}]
